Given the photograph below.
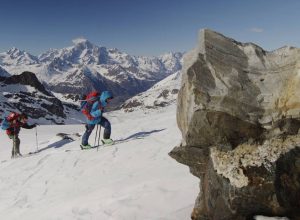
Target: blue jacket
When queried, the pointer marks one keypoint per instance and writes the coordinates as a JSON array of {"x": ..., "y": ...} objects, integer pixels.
[{"x": 98, "y": 108}]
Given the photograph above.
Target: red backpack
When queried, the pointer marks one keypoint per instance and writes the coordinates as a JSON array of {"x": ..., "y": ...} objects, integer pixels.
[
  {"x": 12, "y": 116},
  {"x": 6, "y": 122},
  {"x": 87, "y": 103}
]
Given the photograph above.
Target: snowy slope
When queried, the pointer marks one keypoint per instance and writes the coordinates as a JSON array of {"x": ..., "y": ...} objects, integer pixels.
[
  {"x": 134, "y": 179},
  {"x": 162, "y": 94}
]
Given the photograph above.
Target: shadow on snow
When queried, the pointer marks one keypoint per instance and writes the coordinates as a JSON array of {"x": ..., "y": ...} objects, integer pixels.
[
  {"x": 66, "y": 139},
  {"x": 138, "y": 135},
  {"x": 56, "y": 144}
]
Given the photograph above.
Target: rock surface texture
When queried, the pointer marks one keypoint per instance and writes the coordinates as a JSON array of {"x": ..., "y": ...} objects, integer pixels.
[{"x": 239, "y": 114}]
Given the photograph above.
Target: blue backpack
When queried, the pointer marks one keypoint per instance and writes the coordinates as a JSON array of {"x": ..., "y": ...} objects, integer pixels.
[{"x": 5, "y": 124}]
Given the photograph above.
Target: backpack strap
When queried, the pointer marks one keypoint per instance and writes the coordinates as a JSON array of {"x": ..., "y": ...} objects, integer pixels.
[
  {"x": 86, "y": 112},
  {"x": 86, "y": 109}
]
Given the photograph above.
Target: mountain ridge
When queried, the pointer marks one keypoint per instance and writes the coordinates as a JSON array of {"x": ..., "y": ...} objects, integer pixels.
[{"x": 85, "y": 66}]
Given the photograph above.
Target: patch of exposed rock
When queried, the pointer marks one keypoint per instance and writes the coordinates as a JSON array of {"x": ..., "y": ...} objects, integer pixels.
[
  {"x": 24, "y": 93},
  {"x": 162, "y": 94}
]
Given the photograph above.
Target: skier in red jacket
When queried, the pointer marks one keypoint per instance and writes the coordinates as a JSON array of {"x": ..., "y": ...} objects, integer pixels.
[{"x": 12, "y": 124}]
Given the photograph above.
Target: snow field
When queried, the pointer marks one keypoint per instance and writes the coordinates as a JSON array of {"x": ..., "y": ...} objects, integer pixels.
[{"x": 134, "y": 179}]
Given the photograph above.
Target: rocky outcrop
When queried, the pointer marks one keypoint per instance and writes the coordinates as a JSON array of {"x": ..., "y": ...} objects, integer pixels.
[
  {"x": 24, "y": 93},
  {"x": 239, "y": 114},
  {"x": 27, "y": 78}
]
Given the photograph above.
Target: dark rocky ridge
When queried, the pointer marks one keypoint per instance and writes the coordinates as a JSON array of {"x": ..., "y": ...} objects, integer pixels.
[
  {"x": 26, "y": 78},
  {"x": 39, "y": 103}
]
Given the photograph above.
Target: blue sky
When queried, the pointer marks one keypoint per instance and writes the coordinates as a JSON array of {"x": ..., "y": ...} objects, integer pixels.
[{"x": 144, "y": 27}]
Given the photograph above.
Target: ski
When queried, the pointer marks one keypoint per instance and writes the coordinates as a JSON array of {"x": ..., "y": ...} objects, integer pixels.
[
  {"x": 82, "y": 149},
  {"x": 91, "y": 148}
]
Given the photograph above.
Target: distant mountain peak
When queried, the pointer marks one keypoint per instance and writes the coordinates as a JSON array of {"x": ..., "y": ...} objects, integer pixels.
[
  {"x": 15, "y": 56},
  {"x": 15, "y": 51},
  {"x": 12, "y": 50}
]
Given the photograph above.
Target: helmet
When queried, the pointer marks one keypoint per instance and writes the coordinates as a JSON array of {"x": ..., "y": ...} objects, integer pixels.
[
  {"x": 23, "y": 116},
  {"x": 12, "y": 116},
  {"x": 104, "y": 96}
]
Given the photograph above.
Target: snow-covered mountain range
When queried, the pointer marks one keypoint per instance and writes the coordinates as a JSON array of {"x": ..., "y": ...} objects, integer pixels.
[
  {"x": 85, "y": 66},
  {"x": 69, "y": 72},
  {"x": 14, "y": 57}
]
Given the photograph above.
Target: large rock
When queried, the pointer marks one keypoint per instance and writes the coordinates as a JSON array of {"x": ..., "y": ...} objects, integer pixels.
[{"x": 238, "y": 111}]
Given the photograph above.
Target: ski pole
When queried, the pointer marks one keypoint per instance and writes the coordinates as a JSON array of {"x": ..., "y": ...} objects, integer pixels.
[
  {"x": 36, "y": 139},
  {"x": 96, "y": 135},
  {"x": 99, "y": 138},
  {"x": 14, "y": 144}
]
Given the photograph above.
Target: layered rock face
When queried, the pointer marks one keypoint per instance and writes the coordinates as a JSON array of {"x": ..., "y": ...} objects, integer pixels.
[{"x": 239, "y": 114}]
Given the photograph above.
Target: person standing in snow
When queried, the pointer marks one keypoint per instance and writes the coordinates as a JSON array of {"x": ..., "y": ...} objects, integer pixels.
[
  {"x": 93, "y": 111},
  {"x": 12, "y": 124}
]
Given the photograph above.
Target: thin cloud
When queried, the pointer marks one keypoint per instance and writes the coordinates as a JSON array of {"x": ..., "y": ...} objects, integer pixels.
[
  {"x": 257, "y": 30},
  {"x": 79, "y": 40}
]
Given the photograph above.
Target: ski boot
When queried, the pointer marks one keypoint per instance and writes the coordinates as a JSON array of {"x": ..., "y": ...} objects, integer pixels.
[
  {"x": 85, "y": 147},
  {"x": 108, "y": 141}
]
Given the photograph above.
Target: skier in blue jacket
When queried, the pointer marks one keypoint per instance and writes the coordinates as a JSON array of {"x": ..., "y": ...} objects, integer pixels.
[{"x": 95, "y": 117}]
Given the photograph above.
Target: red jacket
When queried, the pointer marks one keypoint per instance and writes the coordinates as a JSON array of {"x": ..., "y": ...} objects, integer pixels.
[{"x": 15, "y": 124}]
